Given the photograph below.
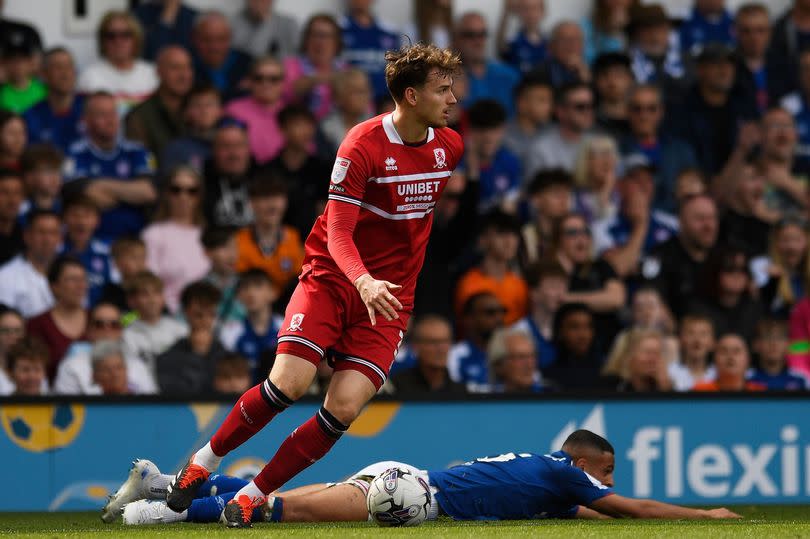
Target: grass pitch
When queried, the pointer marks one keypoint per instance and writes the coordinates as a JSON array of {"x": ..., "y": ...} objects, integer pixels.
[{"x": 759, "y": 522}]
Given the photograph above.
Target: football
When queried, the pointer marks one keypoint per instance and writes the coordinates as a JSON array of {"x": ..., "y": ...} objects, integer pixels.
[{"x": 397, "y": 497}]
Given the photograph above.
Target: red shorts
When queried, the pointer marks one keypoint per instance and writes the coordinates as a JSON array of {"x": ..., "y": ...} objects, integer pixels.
[{"x": 326, "y": 313}]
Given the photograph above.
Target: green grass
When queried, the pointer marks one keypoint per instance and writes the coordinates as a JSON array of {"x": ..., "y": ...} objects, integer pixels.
[{"x": 759, "y": 522}]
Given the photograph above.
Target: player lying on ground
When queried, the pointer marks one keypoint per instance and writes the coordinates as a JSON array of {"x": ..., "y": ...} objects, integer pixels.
[{"x": 574, "y": 482}]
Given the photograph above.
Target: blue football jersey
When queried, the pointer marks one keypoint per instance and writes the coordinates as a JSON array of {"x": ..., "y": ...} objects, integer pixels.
[{"x": 516, "y": 486}]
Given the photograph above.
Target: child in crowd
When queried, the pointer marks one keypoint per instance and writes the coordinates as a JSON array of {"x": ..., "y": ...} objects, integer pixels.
[
  {"x": 220, "y": 248},
  {"x": 232, "y": 375},
  {"x": 696, "y": 343},
  {"x": 534, "y": 103},
  {"x": 27, "y": 367},
  {"x": 129, "y": 257},
  {"x": 41, "y": 169},
  {"x": 771, "y": 346},
  {"x": 152, "y": 332},
  {"x": 81, "y": 217},
  {"x": 22, "y": 89}
]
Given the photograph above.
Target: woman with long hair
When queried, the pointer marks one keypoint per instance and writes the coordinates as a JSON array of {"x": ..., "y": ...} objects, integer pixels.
[
  {"x": 596, "y": 196},
  {"x": 637, "y": 361},
  {"x": 788, "y": 272}
]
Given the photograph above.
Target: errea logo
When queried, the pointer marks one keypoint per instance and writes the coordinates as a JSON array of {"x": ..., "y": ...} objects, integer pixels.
[{"x": 390, "y": 164}]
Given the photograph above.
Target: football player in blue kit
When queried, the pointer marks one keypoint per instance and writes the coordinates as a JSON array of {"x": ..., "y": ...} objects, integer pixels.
[{"x": 575, "y": 482}]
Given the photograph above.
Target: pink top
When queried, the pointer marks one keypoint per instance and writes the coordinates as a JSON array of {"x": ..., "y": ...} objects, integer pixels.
[
  {"x": 266, "y": 139},
  {"x": 174, "y": 253}
]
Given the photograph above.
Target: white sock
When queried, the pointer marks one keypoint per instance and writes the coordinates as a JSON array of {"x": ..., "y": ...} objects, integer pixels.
[
  {"x": 167, "y": 515},
  {"x": 251, "y": 491},
  {"x": 157, "y": 485},
  {"x": 206, "y": 458}
]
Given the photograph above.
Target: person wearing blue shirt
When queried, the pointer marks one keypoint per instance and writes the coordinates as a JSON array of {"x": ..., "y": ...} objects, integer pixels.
[
  {"x": 115, "y": 173},
  {"x": 566, "y": 62},
  {"x": 709, "y": 22},
  {"x": 81, "y": 218},
  {"x": 548, "y": 285},
  {"x": 482, "y": 314},
  {"x": 169, "y": 22},
  {"x": 771, "y": 346},
  {"x": 57, "y": 118},
  {"x": 365, "y": 42},
  {"x": 574, "y": 482},
  {"x": 527, "y": 47},
  {"x": 215, "y": 60}
]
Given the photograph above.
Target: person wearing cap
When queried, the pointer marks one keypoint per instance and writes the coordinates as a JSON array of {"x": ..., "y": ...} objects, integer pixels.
[
  {"x": 21, "y": 90},
  {"x": 708, "y": 22},
  {"x": 612, "y": 80},
  {"x": 17, "y": 31},
  {"x": 710, "y": 115},
  {"x": 630, "y": 234}
]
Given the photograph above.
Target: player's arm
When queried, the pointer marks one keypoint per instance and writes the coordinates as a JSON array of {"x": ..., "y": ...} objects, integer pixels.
[
  {"x": 589, "y": 514},
  {"x": 621, "y": 507}
]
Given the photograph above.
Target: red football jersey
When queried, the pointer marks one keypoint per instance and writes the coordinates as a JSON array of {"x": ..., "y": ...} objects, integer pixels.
[{"x": 396, "y": 186}]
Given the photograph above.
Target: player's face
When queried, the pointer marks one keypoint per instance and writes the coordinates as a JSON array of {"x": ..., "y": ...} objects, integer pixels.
[
  {"x": 435, "y": 99},
  {"x": 600, "y": 466}
]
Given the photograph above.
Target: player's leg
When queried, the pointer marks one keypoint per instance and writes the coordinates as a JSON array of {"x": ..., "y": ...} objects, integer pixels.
[
  {"x": 339, "y": 503},
  {"x": 144, "y": 481}
]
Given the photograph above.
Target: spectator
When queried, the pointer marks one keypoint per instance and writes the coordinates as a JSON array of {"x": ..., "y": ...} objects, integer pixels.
[
  {"x": 26, "y": 367},
  {"x": 534, "y": 101},
  {"x": 187, "y": 368},
  {"x": 119, "y": 70},
  {"x": 57, "y": 118},
  {"x": 11, "y": 203},
  {"x": 613, "y": 81},
  {"x": 366, "y": 40},
  {"x": 796, "y": 103},
  {"x": 488, "y": 162},
  {"x": 527, "y": 48},
  {"x": 566, "y": 62},
  {"x": 220, "y": 249},
  {"x": 513, "y": 362},
  {"x": 21, "y": 89},
  {"x": 226, "y": 175},
  {"x": 785, "y": 191},
  {"x": 604, "y": 29},
  {"x": 648, "y": 311},
  {"x": 550, "y": 197},
  {"x": 232, "y": 375},
  {"x": 791, "y": 33},
  {"x": 498, "y": 241},
  {"x": 632, "y": 233},
  {"x": 258, "y": 111},
  {"x": 259, "y": 30},
  {"x": 696, "y": 344},
  {"x": 12, "y": 329},
  {"x": 637, "y": 360},
  {"x": 771, "y": 347},
  {"x": 308, "y": 77},
  {"x": 430, "y": 339},
  {"x": 674, "y": 266},
  {"x": 668, "y": 154},
  {"x": 596, "y": 196},
  {"x": 152, "y": 332},
  {"x": 433, "y": 23},
  {"x": 747, "y": 221},
  {"x": 165, "y": 23},
  {"x": 708, "y": 22},
  {"x": 41, "y": 169},
  {"x": 66, "y": 321},
  {"x": 201, "y": 111},
  {"x": 110, "y": 368},
  {"x": 75, "y": 374},
  {"x": 115, "y": 173},
  {"x": 689, "y": 183},
  {"x": 129, "y": 258},
  {"x": 557, "y": 147},
  {"x": 18, "y": 32},
  {"x": 487, "y": 78},
  {"x": 13, "y": 137},
  {"x": 725, "y": 295},
  {"x": 784, "y": 277},
  {"x": 655, "y": 53},
  {"x": 305, "y": 173},
  {"x": 731, "y": 360},
  {"x": 81, "y": 218},
  {"x": 548, "y": 284},
  {"x": 25, "y": 285},
  {"x": 353, "y": 100},
  {"x": 590, "y": 281},
  {"x": 215, "y": 60},
  {"x": 157, "y": 121},
  {"x": 269, "y": 245},
  {"x": 258, "y": 333},
  {"x": 762, "y": 79},
  {"x": 173, "y": 248},
  {"x": 467, "y": 363},
  {"x": 578, "y": 362}
]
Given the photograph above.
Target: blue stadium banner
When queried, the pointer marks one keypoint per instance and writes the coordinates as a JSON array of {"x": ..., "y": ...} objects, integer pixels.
[{"x": 70, "y": 455}]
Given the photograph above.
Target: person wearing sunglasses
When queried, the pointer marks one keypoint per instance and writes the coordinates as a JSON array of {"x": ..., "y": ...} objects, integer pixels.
[
  {"x": 173, "y": 248},
  {"x": 75, "y": 373}
]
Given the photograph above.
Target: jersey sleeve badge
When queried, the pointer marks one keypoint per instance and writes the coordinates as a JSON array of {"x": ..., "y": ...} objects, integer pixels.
[{"x": 340, "y": 169}]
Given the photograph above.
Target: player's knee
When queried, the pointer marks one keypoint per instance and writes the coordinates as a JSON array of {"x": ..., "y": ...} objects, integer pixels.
[
  {"x": 344, "y": 410},
  {"x": 293, "y": 389}
]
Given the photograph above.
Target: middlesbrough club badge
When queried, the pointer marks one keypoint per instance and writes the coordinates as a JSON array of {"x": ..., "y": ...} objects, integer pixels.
[
  {"x": 296, "y": 321},
  {"x": 441, "y": 158}
]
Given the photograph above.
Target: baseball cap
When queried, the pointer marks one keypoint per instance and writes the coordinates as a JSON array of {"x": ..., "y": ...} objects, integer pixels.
[
  {"x": 636, "y": 161},
  {"x": 712, "y": 53}
]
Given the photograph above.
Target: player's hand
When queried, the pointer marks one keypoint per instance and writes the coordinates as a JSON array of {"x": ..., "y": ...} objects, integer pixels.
[
  {"x": 721, "y": 512},
  {"x": 378, "y": 297}
]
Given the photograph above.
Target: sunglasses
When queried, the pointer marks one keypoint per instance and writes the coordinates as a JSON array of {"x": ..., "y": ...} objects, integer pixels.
[
  {"x": 177, "y": 190},
  {"x": 114, "y": 34},
  {"x": 474, "y": 34},
  {"x": 275, "y": 79},
  {"x": 651, "y": 109},
  {"x": 106, "y": 324}
]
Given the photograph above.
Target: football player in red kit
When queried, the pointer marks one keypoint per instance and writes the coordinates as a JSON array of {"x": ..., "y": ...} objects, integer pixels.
[{"x": 355, "y": 292}]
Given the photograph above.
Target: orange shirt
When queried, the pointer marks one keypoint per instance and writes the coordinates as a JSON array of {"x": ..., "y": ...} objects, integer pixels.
[
  {"x": 511, "y": 291},
  {"x": 282, "y": 265},
  {"x": 712, "y": 386}
]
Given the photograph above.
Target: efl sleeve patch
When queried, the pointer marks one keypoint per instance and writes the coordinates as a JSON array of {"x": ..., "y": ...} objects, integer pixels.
[{"x": 340, "y": 169}]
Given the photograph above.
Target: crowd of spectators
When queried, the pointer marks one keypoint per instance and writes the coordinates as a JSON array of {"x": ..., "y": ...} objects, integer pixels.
[{"x": 631, "y": 212}]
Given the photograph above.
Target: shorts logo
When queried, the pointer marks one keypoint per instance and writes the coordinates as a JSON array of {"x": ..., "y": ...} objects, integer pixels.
[
  {"x": 390, "y": 164},
  {"x": 296, "y": 321},
  {"x": 340, "y": 169},
  {"x": 441, "y": 158}
]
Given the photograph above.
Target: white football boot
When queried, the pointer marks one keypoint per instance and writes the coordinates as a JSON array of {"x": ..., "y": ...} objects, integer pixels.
[
  {"x": 136, "y": 487},
  {"x": 142, "y": 512}
]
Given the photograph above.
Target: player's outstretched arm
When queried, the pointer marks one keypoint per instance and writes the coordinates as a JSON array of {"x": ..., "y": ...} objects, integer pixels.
[
  {"x": 589, "y": 514},
  {"x": 340, "y": 503},
  {"x": 621, "y": 507}
]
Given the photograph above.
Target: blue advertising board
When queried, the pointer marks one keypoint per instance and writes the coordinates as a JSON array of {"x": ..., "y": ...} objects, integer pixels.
[{"x": 70, "y": 456}]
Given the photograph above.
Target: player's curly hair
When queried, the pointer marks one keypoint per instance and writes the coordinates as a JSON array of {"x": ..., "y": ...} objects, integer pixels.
[{"x": 411, "y": 65}]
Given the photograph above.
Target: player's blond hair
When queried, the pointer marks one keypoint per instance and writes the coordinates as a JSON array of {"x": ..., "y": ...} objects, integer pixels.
[{"x": 410, "y": 66}]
